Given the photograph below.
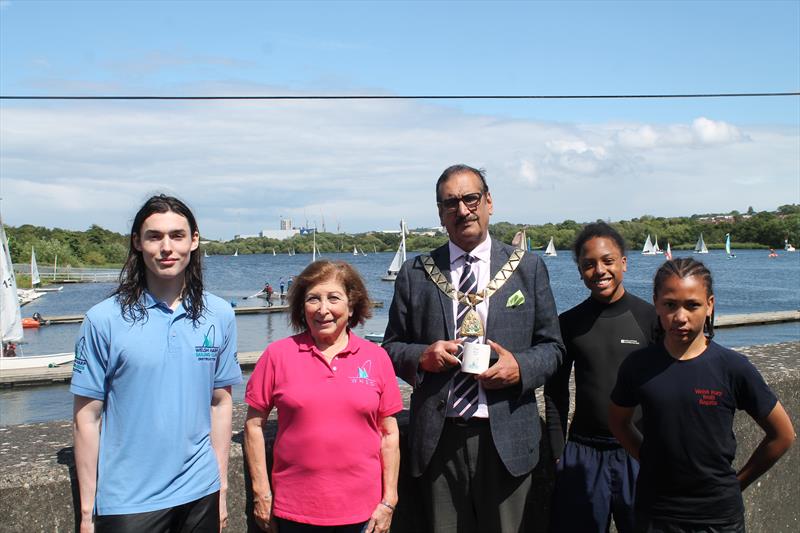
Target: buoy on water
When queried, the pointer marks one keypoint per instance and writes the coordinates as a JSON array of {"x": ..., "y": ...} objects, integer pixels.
[{"x": 30, "y": 323}]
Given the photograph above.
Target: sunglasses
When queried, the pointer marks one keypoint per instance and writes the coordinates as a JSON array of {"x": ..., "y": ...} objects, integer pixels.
[{"x": 471, "y": 201}]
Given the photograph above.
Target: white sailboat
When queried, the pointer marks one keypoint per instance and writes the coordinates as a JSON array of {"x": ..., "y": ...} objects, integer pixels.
[
  {"x": 11, "y": 320},
  {"x": 520, "y": 241},
  {"x": 35, "y": 279},
  {"x": 550, "y": 251},
  {"x": 728, "y": 246},
  {"x": 236, "y": 253},
  {"x": 668, "y": 253},
  {"x": 315, "y": 252},
  {"x": 788, "y": 247},
  {"x": 355, "y": 250},
  {"x": 700, "y": 247},
  {"x": 656, "y": 249},
  {"x": 648, "y": 248},
  {"x": 399, "y": 256},
  {"x": 273, "y": 252},
  {"x": 205, "y": 253}
]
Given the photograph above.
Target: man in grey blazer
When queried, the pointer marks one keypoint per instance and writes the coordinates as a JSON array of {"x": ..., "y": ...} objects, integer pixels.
[{"x": 474, "y": 462}]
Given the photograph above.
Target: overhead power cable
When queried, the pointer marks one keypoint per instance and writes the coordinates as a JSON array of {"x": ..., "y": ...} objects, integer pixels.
[{"x": 405, "y": 97}]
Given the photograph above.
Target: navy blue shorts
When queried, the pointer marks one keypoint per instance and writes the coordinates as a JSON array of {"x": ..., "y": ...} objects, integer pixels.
[
  {"x": 595, "y": 480},
  {"x": 199, "y": 516}
]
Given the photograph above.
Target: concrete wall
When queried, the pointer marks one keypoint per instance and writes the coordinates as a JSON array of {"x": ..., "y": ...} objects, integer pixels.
[{"x": 38, "y": 491}]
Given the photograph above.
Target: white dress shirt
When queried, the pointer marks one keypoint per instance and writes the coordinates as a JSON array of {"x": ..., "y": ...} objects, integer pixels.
[{"x": 481, "y": 267}]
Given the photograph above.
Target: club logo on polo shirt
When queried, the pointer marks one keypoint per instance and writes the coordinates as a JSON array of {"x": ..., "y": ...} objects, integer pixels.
[
  {"x": 363, "y": 374},
  {"x": 207, "y": 351},
  {"x": 79, "y": 364}
]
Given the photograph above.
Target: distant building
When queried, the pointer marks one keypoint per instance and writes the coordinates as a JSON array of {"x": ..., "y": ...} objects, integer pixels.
[
  {"x": 286, "y": 223},
  {"x": 430, "y": 232},
  {"x": 279, "y": 234}
]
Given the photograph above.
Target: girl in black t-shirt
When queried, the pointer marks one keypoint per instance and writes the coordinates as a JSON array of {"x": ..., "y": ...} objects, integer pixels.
[{"x": 689, "y": 388}]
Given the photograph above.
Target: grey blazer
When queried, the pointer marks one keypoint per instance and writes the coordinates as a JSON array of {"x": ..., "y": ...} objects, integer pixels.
[{"x": 421, "y": 315}]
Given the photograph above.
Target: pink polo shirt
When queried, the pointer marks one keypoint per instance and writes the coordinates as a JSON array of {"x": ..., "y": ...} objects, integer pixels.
[{"x": 327, "y": 462}]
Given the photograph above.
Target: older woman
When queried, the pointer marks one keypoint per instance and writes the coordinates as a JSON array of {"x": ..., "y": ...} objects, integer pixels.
[{"x": 336, "y": 453}]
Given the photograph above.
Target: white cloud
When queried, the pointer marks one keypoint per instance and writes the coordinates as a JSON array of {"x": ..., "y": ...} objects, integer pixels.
[
  {"x": 528, "y": 173},
  {"x": 701, "y": 132},
  {"x": 366, "y": 164},
  {"x": 713, "y": 132}
]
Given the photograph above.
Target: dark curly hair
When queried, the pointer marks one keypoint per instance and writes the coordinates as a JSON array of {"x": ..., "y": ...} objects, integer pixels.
[
  {"x": 685, "y": 267},
  {"x": 320, "y": 272},
  {"x": 597, "y": 229},
  {"x": 133, "y": 280}
]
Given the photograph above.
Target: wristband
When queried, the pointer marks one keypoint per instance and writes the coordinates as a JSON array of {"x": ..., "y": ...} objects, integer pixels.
[{"x": 387, "y": 504}]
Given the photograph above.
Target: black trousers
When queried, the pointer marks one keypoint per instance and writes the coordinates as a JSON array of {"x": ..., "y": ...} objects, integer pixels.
[
  {"x": 199, "y": 516},
  {"x": 288, "y": 526},
  {"x": 646, "y": 524},
  {"x": 467, "y": 488}
]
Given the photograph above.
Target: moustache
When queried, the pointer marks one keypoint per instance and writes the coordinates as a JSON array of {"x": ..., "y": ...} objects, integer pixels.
[{"x": 468, "y": 218}]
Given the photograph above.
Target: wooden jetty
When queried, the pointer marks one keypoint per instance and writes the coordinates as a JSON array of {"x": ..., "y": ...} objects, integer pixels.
[
  {"x": 756, "y": 319},
  {"x": 247, "y": 360},
  {"x": 77, "y": 319},
  {"x": 63, "y": 373}
]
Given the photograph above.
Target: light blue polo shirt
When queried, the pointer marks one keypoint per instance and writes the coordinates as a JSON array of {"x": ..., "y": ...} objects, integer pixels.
[{"x": 156, "y": 377}]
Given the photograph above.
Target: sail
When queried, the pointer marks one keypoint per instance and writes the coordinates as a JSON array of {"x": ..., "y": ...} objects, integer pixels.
[
  {"x": 519, "y": 240},
  {"x": 10, "y": 318},
  {"x": 35, "y": 279},
  {"x": 700, "y": 247},
  {"x": 668, "y": 253},
  {"x": 399, "y": 256},
  {"x": 648, "y": 248},
  {"x": 728, "y": 244},
  {"x": 656, "y": 249},
  {"x": 551, "y": 249},
  {"x": 314, "y": 247},
  {"x": 397, "y": 261},
  {"x": 355, "y": 250}
]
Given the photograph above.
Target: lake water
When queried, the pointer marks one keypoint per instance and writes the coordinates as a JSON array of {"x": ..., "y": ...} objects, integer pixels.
[{"x": 747, "y": 284}]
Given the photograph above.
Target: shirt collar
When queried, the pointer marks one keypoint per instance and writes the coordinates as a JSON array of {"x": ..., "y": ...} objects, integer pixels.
[
  {"x": 149, "y": 302},
  {"x": 482, "y": 252},
  {"x": 305, "y": 343}
]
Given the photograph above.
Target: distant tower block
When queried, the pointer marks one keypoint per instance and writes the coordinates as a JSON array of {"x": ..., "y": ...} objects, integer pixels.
[{"x": 286, "y": 223}]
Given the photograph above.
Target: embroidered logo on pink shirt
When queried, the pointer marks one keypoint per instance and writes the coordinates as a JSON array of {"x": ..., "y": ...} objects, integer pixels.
[{"x": 363, "y": 374}]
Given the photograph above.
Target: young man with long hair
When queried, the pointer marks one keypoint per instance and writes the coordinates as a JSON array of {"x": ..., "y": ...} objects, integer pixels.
[{"x": 154, "y": 366}]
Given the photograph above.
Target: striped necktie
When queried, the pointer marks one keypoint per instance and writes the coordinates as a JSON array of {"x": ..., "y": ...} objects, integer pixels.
[{"x": 465, "y": 387}]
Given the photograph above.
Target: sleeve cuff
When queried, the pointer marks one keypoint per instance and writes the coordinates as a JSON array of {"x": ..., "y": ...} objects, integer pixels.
[
  {"x": 77, "y": 390},
  {"x": 227, "y": 382}
]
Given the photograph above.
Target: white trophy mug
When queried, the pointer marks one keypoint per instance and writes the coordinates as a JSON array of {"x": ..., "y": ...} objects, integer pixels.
[{"x": 475, "y": 357}]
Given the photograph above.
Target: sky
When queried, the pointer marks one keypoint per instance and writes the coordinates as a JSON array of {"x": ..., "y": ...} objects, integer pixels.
[{"x": 359, "y": 165}]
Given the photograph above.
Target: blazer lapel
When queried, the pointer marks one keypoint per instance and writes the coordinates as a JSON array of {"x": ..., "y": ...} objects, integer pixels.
[{"x": 441, "y": 256}]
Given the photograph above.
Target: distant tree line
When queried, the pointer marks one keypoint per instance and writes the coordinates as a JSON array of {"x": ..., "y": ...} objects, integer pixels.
[
  {"x": 93, "y": 247},
  {"x": 765, "y": 229},
  {"x": 100, "y": 247}
]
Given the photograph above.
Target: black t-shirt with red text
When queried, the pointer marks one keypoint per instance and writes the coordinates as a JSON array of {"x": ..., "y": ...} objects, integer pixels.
[{"x": 687, "y": 413}]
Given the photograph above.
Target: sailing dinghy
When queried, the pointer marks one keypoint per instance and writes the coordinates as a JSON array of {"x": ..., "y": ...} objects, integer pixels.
[{"x": 399, "y": 256}]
